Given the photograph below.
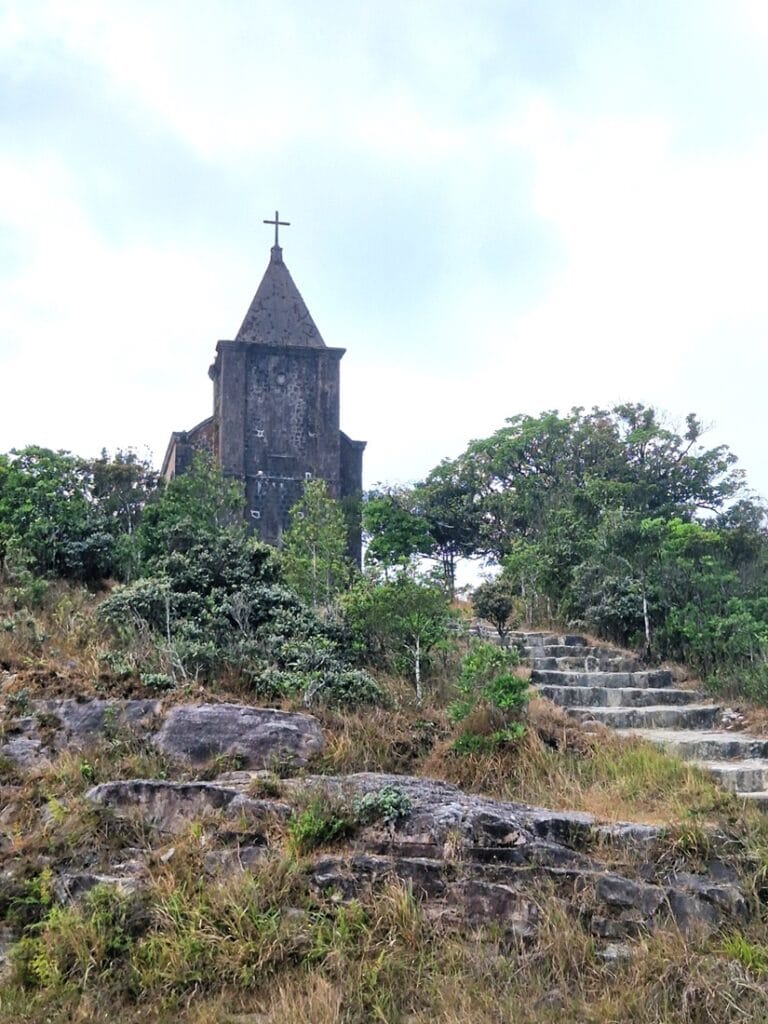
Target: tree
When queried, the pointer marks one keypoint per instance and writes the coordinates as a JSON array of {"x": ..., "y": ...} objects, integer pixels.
[
  {"x": 398, "y": 622},
  {"x": 494, "y": 600},
  {"x": 47, "y": 511},
  {"x": 315, "y": 559},
  {"x": 121, "y": 486},
  {"x": 393, "y": 530},
  {"x": 590, "y": 463},
  {"x": 194, "y": 509},
  {"x": 447, "y": 503}
]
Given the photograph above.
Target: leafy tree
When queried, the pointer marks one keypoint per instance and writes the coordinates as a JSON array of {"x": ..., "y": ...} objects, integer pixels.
[
  {"x": 447, "y": 503},
  {"x": 398, "y": 622},
  {"x": 46, "y": 511},
  {"x": 394, "y": 531},
  {"x": 315, "y": 558},
  {"x": 194, "y": 509},
  {"x": 494, "y": 600},
  {"x": 589, "y": 463}
]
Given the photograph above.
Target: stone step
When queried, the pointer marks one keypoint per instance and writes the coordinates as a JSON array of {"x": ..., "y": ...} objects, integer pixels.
[
  {"x": 705, "y": 744},
  {"x": 742, "y": 777},
  {"x": 615, "y": 697},
  {"x": 587, "y": 663},
  {"x": 694, "y": 716},
  {"x": 539, "y": 640},
  {"x": 759, "y": 800},
  {"x": 562, "y": 651},
  {"x": 653, "y": 679}
]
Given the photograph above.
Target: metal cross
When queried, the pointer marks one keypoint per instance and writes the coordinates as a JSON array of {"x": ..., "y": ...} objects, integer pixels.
[{"x": 278, "y": 223}]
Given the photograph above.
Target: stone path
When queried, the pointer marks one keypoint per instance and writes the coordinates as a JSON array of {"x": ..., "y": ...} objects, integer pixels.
[{"x": 606, "y": 685}]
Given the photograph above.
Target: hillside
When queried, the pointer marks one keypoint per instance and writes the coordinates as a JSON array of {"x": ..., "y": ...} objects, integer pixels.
[
  {"x": 249, "y": 785},
  {"x": 197, "y": 856}
]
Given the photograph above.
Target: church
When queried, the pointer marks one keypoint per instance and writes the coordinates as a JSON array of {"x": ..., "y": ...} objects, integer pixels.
[{"x": 275, "y": 421}]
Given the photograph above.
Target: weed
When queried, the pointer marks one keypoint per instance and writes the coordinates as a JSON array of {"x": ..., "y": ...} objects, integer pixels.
[
  {"x": 319, "y": 824},
  {"x": 265, "y": 787},
  {"x": 389, "y": 805},
  {"x": 19, "y": 703},
  {"x": 474, "y": 743},
  {"x": 752, "y": 954}
]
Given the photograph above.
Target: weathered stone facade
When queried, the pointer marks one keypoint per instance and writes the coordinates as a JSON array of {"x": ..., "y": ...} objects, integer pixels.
[{"x": 275, "y": 420}]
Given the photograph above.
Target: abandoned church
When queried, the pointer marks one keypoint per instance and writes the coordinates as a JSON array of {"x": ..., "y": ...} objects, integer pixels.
[{"x": 275, "y": 421}]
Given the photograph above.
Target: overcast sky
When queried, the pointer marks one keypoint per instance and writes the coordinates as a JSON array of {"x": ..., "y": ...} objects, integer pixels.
[{"x": 496, "y": 206}]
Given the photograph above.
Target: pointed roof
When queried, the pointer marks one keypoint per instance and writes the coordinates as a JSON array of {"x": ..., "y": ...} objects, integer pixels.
[{"x": 278, "y": 314}]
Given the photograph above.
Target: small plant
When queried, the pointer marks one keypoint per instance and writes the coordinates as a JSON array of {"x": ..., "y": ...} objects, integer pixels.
[
  {"x": 19, "y": 703},
  {"x": 319, "y": 824},
  {"x": 10, "y": 775},
  {"x": 753, "y": 955},
  {"x": 390, "y": 805},
  {"x": 475, "y": 743},
  {"x": 158, "y": 681},
  {"x": 492, "y": 699},
  {"x": 265, "y": 787}
]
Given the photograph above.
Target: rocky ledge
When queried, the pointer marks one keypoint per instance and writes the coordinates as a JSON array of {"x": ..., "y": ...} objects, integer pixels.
[
  {"x": 470, "y": 858},
  {"x": 191, "y": 733}
]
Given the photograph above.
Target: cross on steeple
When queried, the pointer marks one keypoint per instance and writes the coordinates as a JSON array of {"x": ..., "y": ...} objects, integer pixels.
[{"x": 278, "y": 223}]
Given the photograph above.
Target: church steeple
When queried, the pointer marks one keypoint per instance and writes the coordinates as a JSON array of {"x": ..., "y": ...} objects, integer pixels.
[
  {"x": 275, "y": 420},
  {"x": 278, "y": 315}
]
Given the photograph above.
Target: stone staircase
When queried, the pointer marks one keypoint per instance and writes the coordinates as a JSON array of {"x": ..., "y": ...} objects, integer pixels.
[{"x": 606, "y": 685}]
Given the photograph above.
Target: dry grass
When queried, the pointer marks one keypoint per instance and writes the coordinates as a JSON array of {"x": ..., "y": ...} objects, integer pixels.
[
  {"x": 558, "y": 764},
  {"x": 264, "y": 948},
  {"x": 379, "y": 740},
  {"x": 234, "y": 955}
]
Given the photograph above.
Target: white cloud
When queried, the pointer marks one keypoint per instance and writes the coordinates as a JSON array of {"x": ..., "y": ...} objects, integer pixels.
[{"x": 650, "y": 286}]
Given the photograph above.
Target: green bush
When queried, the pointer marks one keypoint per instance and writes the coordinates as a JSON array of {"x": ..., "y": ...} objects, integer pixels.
[
  {"x": 319, "y": 824},
  {"x": 493, "y": 699},
  {"x": 390, "y": 804},
  {"x": 477, "y": 743},
  {"x": 486, "y": 677}
]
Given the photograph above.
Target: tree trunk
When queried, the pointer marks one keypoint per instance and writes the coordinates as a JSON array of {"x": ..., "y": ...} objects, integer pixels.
[
  {"x": 647, "y": 624},
  {"x": 417, "y": 668}
]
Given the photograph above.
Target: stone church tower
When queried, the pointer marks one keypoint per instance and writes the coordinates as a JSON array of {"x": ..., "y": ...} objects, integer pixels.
[{"x": 275, "y": 420}]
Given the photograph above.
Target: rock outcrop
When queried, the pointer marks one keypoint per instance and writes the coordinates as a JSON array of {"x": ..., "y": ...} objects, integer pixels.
[
  {"x": 256, "y": 737},
  {"x": 473, "y": 859},
  {"x": 192, "y": 733}
]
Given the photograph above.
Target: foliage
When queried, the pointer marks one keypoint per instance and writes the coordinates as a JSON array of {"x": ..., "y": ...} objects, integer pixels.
[
  {"x": 192, "y": 512},
  {"x": 315, "y": 559},
  {"x": 397, "y": 623},
  {"x": 613, "y": 521},
  {"x": 389, "y": 804},
  {"x": 214, "y": 603},
  {"x": 437, "y": 519},
  {"x": 492, "y": 698},
  {"x": 325, "y": 821},
  {"x": 487, "y": 743},
  {"x": 321, "y": 823},
  {"x": 487, "y": 675},
  {"x": 393, "y": 529},
  {"x": 495, "y": 601},
  {"x": 65, "y": 516}
]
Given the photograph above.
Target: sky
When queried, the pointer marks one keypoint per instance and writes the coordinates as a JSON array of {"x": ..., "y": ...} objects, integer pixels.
[{"x": 496, "y": 207}]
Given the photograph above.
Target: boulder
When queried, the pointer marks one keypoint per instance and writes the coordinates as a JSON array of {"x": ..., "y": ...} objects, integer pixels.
[
  {"x": 171, "y": 806},
  {"x": 257, "y": 737}
]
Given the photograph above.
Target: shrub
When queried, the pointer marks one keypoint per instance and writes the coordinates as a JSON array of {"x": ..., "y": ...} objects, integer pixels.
[
  {"x": 390, "y": 804},
  {"x": 493, "y": 699},
  {"x": 495, "y": 600},
  {"x": 319, "y": 824}
]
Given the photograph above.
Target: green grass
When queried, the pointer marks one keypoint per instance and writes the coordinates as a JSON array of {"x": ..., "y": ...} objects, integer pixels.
[{"x": 201, "y": 952}]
